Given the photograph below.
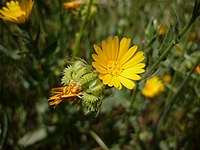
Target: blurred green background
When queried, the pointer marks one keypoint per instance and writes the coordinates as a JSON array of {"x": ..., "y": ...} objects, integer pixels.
[{"x": 32, "y": 60}]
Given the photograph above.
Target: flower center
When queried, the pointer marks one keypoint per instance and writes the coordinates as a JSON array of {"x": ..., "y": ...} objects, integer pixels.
[{"x": 114, "y": 68}]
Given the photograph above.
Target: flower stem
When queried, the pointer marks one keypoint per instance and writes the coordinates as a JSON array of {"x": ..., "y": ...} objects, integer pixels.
[
  {"x": 186, "y": 27},
  {"x": 98, "y": 140},
  {"x": 79, "y": 36}
]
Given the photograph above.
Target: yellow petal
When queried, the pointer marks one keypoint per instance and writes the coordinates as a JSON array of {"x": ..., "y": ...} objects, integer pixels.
[
  {"x": 100, "y": 53},
  {"x": 97, "y": 49},
  {"x": 128, "y": 54},
  {"x": 115, "y": 47},
  {"x": 105, "y": 49},
  {"x": 139, "y": 57},
  {"x": 140, "y": 65},
  {"x": 119, "y": 86},
  {"x": 101, "y": 76},
  {"x": 104, "y": 45},
  {"x": 126, "y": 82},
  {"x": 110, "y": 48},
  {"x": 136, "y": 69},
  {"x": 99, "y": 68},
  {"x": 26, "y": 6},
  {"x": 99, "y": 60},
  {"x": 107, "y": 78},
  {"x": 115, "y": 82},
  {"x": 124, "y": 45},
  {"x": 130, "y": 75}
]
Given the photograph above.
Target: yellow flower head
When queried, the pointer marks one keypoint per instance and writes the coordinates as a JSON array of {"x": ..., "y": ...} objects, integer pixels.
[
  {"x": 72, "y": 5},
  {"x": 153, "y": 87},
  {"x": 197, "y": 69},
  {"x": 162, "y": 30},
  {"x": 193, "y": 37},
  {"x": 167, "y": 78},
  {"x": 17, "y": 12},
  {"x": 118, "y": 64}
]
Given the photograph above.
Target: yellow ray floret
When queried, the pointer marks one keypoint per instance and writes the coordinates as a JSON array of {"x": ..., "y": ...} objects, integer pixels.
[{"x": 118, "y": 64}]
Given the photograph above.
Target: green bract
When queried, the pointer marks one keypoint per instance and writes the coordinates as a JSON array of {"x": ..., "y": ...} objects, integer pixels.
[{"x": 81, "y": 73}]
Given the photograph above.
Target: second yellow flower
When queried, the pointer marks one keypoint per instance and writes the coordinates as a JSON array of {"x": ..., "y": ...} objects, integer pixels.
[{"x": 17, "y": 11}]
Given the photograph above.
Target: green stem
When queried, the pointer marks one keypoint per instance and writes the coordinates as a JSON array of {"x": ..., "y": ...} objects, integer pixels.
[
  {"x": 186, "y": 27},
  {"x": 174, "y": 98},
  {"x": 151, "y": 41},
  {"x": 79, "y": 36},
  {"x": 98, "y": 140}
]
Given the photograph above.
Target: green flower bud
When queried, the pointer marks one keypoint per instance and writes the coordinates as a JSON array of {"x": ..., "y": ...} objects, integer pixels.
[{"x": 82, "y": 82}]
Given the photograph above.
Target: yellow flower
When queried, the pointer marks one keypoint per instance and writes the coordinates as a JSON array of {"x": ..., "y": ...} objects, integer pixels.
[
  {"x": 167, "y": 78},
  {"x": 197, "y": 69},
  {"x": 162, "y": 30},
  {"x": 193, "y": 37},
  {"x": 153, "y": 87},
  {"x": 72, "y": 5},
  {"x": 118, "y": 64},
  {"x": 17, "y": 12}
]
